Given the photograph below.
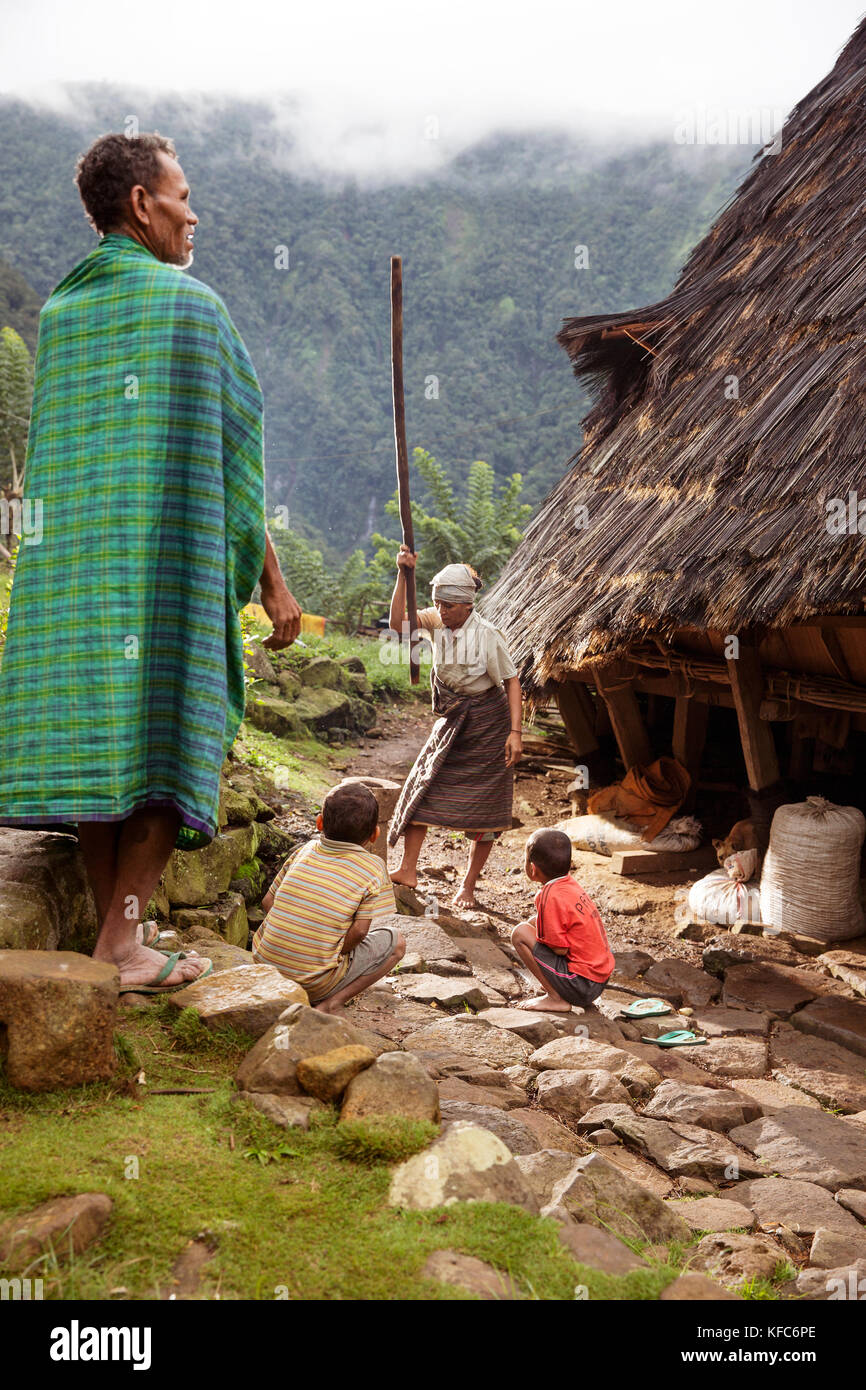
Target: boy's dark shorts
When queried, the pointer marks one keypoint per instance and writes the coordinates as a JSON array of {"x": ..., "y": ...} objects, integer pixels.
[{"x": 574, "y": 989}]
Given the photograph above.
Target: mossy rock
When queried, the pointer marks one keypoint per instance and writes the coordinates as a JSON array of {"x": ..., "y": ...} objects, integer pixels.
[
  {"x": 359, "y": 683},
  {"x": 227, "y": 917},
  {"x": 323, "y": 671},
  {"x": 249, "y": 881},
  {"x": 275, "y": 843},
  {"x": 239, "y": 806},
  {"x": 275, "y": 715},
  {"x": 364, "y": 714},
  {"x": 322, "y": 708},
  {"x": 290, "y": 684},
  {"x": 194, "y": 878},
  {"x": 353, "y": 664}
]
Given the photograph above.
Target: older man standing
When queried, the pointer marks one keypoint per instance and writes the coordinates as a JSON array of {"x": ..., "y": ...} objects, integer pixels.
[{"x": 122, "y": 684}]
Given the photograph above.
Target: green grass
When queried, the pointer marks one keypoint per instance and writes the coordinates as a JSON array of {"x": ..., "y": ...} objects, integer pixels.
[
  {"x": 299, "y": 765},
  {"x": 390, "y": 1139},
  {"x": 304, "y": 1212}
]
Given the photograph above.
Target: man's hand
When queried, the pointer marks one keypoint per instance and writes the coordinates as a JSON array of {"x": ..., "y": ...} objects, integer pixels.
[{"x": 283, "y": 611}]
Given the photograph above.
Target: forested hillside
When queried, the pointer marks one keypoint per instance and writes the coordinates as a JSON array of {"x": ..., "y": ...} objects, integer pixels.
[{"x": 489, "y": 272}]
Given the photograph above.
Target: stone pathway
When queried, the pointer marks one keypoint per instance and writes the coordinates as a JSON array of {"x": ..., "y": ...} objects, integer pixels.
[{"x": 755, "y": 1139}]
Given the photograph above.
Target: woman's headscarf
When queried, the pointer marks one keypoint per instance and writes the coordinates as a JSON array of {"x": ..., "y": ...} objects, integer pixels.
[{"x": 455, "y": 584}]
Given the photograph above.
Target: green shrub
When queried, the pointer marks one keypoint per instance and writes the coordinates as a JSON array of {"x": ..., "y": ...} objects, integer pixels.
[{"x": 385, "y": 1139}]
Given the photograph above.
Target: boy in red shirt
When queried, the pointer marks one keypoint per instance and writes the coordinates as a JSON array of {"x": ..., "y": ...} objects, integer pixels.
[{"x": 566, "y": 947}]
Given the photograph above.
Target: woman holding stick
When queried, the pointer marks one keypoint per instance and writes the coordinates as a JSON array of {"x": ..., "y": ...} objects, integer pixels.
[{"x": 463, "y": 777}]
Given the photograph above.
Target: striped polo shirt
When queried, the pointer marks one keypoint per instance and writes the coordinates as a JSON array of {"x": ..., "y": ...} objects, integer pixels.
[{"x": 318, "y": 892}]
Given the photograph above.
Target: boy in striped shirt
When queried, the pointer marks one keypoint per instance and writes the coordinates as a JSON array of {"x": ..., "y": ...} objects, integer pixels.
[{"x": 322, "y": 907}]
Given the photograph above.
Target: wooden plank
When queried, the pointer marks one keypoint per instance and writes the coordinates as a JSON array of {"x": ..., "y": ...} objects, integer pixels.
[
  {"x": 833, "y": 648},
  {"x": 646, "y": 861},
  {"x": 756, "y": 736},
  {"x": 689, "y": 737},
  {"x": 615, "y": 685},
  {"x": 578, "y": 716}
]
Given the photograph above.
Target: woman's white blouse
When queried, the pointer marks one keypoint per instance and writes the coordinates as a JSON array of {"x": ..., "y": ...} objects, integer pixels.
[{"x": 470, "y": 659}]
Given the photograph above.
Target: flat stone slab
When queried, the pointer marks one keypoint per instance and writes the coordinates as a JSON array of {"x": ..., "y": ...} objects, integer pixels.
[
  {"x": 808, "y": 1144},
  {"x": 830, "y": 1073},
  {"x": 549, "y": 1132},
  {"x": 837, "y": 1020},
  {"x": 59, "y": 1010},
  {"x": 831, "y": 1249},
  {"x": 718, "y": 1021},
  {"x": 853, "y": 1201},
  {"x": 571, "y": 1093},
  {"x": 63, "y": 1221},
  {"x": 771, "y": 1096},
  {"x": 640, "y": 1171},
  {"x": 631, "y": 963},
  {"x": 535, "y": 1028},
  {"x": 425, "y": 938},
  {"x": 495, "y": 1046},
  {"x": 490, "y": 964},
  {"x": 801, "y": 1206},
  {"x": 500, "y": 1097},
  {"x": 684, "y": 983},
  {"x": 847, "y": 1284},
  {"x": 706, "y": 1106},
  {"x": 848, "y": 966},
  {"x": 446, "y": 991},
  {"x": 730, "y": 1057},
  {"x": 680, "y": 1149},
  {"x": 248, "y": 997},
  {"x": 517, "y": 1136},
  {"x": 599, "y": 1249},
  {"x": 768, "y": 988},
  {"x": 713, "y": 1214},
  {"x": 670, "y": 1062}
]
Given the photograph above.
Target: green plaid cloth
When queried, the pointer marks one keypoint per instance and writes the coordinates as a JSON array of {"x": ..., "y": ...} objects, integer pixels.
[{"x": 122, "y": 678}]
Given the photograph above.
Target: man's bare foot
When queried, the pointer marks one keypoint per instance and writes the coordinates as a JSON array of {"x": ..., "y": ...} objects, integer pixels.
[
  {"x": 545, "y": 1004},
  {"x": 409, "y": 880},
  {"x": 142, "y": 966},
  {"x": 465, "y": 898}
]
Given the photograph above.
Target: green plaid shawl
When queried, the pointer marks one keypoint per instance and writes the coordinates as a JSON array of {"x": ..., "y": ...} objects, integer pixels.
[{"x": 122, "y": 677}]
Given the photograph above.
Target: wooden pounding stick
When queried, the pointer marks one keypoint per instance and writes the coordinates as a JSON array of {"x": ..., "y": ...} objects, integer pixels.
[{"x": 402, "y": 458}]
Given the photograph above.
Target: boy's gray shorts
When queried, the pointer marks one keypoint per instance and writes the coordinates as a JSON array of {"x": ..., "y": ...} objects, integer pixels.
[{"x": 369, "y": 955}]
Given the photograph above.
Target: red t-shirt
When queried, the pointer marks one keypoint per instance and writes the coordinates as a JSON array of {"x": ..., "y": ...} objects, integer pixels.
[{"x": 566, "y": 917}]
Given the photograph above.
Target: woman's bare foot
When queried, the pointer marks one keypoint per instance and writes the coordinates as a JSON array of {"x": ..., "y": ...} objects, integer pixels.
[
  {"x": 142, "y": 966},
  {"x": 545, "y": 1004},
  {"x": 409, "y": 880}
]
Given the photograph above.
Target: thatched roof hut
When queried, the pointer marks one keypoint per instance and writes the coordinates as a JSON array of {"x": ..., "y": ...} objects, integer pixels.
[{"x": 712, "y": 497}]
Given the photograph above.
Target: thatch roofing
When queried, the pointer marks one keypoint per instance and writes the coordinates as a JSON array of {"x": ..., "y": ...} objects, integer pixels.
[{"x": 705, "y": 511}]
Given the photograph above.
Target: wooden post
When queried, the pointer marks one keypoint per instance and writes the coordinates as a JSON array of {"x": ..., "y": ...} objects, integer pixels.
[
  {"x": 690, "y": 732},
  {"x": 615, "y": 686},
  {"x": 756, "y": 735},
  {"x": 402, "y": 454},
  {"x": 578, "y": 716}
]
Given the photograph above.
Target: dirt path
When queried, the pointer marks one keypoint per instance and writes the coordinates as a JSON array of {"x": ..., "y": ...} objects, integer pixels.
[{"x": 636, "y": 912}]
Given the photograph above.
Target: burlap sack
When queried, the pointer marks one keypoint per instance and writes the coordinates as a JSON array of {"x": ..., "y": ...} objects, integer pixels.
[{"x": 811, "y": 878}]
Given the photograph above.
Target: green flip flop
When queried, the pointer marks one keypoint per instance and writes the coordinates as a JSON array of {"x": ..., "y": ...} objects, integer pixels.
[
  {"x": 647, "y": 1008},
  {"x": 156, "y": 985},
  {"x": 149, "y": 933},
  {"x": 680, "y": 1037}
]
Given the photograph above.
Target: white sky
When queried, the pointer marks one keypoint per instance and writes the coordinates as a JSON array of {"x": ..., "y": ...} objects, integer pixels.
[{"x": 366, "y": 73}]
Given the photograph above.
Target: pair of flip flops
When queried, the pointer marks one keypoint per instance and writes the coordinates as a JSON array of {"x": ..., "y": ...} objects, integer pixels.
[{"x": 680, "y": 1037}]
